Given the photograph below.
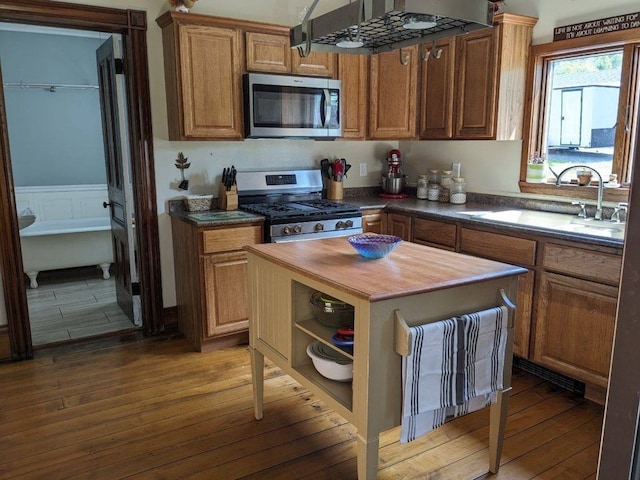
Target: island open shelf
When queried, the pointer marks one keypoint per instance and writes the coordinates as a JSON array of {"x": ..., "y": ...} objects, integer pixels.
[{"x": 424, "y": 283}]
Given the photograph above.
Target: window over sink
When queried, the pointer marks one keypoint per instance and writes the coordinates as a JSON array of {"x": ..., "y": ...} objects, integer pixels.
[{"x": 583, "y": 111}]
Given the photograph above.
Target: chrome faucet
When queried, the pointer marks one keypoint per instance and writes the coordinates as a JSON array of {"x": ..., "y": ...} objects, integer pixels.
[{"x": 598, "y": 215}]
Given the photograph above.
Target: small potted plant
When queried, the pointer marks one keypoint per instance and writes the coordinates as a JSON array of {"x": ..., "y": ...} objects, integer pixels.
[{"x": 537, "y": 169}]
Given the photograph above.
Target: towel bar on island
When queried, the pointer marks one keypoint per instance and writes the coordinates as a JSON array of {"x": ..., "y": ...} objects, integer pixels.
[{"x": 498, "y": 410}]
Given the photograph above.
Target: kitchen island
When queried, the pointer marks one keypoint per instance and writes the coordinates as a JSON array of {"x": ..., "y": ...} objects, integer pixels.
[{"x": 424, "y": 284}]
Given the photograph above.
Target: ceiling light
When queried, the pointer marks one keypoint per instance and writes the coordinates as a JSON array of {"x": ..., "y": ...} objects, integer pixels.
[
  {"x": 346, "y": 43},
  {"x": 419, "y": 22}
]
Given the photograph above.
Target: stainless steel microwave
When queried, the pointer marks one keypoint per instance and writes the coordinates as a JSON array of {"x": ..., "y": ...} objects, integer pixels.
[{"x": 282, "y": 106}]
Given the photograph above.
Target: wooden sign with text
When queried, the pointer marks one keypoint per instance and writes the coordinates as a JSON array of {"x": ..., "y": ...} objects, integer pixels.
[{"x": 596, "y": 27}]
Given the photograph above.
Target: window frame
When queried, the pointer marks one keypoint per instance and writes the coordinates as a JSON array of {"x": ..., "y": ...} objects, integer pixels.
[{"x": 536, "y": 104}]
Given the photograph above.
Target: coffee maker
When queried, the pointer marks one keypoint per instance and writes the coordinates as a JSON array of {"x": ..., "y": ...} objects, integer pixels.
[{"x": 393, "y": 182}]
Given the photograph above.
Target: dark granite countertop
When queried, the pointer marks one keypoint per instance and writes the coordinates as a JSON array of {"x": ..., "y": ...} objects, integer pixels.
[
  {"x": 548, "y": 223},
  {"x": 551, "y": 219}
]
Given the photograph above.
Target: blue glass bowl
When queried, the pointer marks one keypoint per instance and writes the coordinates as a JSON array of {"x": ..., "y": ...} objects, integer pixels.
[{"x": 373, "y": 245}]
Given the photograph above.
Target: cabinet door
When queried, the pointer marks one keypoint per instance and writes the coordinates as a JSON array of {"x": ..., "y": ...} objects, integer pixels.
[
  {"x": 318, "y": 64},
  {"x": 574, "y": 327},
  {"x": 268, "y": 53},
  {"x": 211, "y": 84},
  {"x": 399, "y": 225},
  {"x": 394, "y": 94},
  {"x": 374, "y": 221},
  {"x": 437, "y": 92},
  {"x": 353, "y": 70},
  {"x": 476, "y": 84},
  {"x": 522, "y": 325},
  {"x": 226, "y": 294}
]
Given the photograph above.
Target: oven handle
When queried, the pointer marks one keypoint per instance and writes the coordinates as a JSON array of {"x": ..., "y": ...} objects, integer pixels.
[{"x": 316, "y": 236}]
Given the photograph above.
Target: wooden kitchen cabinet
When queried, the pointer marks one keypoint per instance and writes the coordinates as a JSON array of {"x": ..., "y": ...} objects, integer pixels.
[
  {"x": 513, "y": 250},
  {"x": 437, "y": 92},
  {"x": 353, "y": 71},
  {"x": 574, "y": 327},
  {"x": 485, "y": 100},
  {"x": 317, "y": 64},
  {"x": 393, "y": 95},
  {"x": 434, "y": 234},
  {"x": 576, "y": 311},
  {"x": 399, "y": 225},
  {"x": 272, "y": 53},
  {"x": 266, "y": 52},
  {"x": 374, "y": 221},
  {"x": 211, "y": 282},
  {"x": 203, "y": 74}
]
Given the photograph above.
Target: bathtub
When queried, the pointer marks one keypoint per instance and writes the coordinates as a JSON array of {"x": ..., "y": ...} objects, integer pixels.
[{"x": 56, "y": 244}]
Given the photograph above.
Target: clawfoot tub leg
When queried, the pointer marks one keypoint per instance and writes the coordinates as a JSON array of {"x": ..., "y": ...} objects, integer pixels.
[
  {"x": 105, "y": 270},
  {"x": 33, "y": 279}
]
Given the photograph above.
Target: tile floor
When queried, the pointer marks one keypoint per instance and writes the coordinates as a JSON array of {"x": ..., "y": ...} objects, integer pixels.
[{"x": 73, "y": 303}]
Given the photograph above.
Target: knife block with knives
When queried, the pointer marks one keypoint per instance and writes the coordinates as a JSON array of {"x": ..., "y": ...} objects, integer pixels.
[{"x": 228, "y": 190}]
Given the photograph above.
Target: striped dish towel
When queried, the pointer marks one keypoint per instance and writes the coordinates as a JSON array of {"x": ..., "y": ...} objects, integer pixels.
[{"x": 455, "y": 367}]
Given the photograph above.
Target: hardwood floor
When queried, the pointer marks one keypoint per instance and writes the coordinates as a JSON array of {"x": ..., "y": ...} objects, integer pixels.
[
  {"x": 72, "y": 304},
  {"x": 152, "y": 408}
]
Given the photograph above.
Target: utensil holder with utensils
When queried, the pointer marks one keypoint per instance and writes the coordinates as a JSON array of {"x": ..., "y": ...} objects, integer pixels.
[{"x": 227, "y": 199}]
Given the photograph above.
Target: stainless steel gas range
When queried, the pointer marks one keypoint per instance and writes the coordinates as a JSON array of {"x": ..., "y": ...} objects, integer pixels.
[{"x": 292, "y": 203}]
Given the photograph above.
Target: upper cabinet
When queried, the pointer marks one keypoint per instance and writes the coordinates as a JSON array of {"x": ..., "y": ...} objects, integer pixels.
[
  {"x": 271, "y": 52},
  {"x": 353, "y": 71},
  {"x": 437, "y": 86},
  {"x": 268, "y": 53},
  {"x": 203, "y": 75},
  {"x": 393, "y": 95},
  {"x": 476, "y": 89},
  {"x": 318, "y": 64}
]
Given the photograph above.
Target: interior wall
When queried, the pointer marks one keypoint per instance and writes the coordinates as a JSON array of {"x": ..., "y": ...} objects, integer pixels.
[
  {"x": 490, "y": 166},
  {"x": 55, "y": 137}
]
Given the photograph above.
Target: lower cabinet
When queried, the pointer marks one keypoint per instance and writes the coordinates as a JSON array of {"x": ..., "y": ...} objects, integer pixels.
[
  {"x": 574, "y": 327},
  {"x": 399, "y": 225},
  {"x": 575, "y": 313},
  {"x": 226, "y": 292},
  {"x": 517, "y": 251},
  {"x": 566, "y": 305},
  {"x": 211, "y": 282},
  {"x": 374, "y": 221}
]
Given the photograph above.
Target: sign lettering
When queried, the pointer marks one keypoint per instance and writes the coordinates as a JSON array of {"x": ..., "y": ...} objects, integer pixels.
[{"x": 597, "y": 27}]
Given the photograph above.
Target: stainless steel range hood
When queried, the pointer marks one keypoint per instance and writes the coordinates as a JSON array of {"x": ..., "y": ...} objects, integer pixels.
[{"x": 384, "y": 25}]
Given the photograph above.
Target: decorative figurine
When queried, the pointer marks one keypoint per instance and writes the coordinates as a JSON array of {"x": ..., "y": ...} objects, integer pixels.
[
  {"x": 182, "y": 5},
  {"x": 182, "y": 165}
]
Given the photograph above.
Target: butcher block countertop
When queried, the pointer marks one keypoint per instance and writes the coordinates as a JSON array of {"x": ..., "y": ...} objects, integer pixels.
[{"x": 409, "y": 270}]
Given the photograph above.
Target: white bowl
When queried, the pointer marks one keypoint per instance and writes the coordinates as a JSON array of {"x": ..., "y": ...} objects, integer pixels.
[{"x": 329, "y": 363}]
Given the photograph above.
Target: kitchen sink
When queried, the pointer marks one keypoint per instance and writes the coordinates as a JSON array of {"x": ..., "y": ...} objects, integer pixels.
[{"x": 557, "y": 221}]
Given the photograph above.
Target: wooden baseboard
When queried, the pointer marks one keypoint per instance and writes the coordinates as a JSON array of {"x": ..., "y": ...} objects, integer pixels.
[{"x": 5, "y": 344}]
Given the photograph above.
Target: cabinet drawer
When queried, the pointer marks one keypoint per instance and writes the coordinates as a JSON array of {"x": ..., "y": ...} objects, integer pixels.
[
  {"x": 229, "y": 239},
  {"x": 503, "y": 248},
  {"x": 598, "y": 266},
  {"x": 439, "y": 233}
]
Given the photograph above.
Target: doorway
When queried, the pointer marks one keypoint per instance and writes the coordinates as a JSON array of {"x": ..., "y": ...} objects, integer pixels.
[
  {"x": 131, "y": 25},
  {"x": 53, "y": 106}
]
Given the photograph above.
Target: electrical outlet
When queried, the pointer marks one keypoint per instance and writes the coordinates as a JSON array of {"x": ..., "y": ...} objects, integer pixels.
[{"x": 363, "y": 169}]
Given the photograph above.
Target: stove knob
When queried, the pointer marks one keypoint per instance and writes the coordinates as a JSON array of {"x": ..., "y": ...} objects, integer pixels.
[
  {"x": 297, "y": 229},
  {"x": 340, "y": 224},
  {"x": 349, "y": 223},
  {"x": 286, "y": 231},
  {"x": 319, "y": 227}
]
